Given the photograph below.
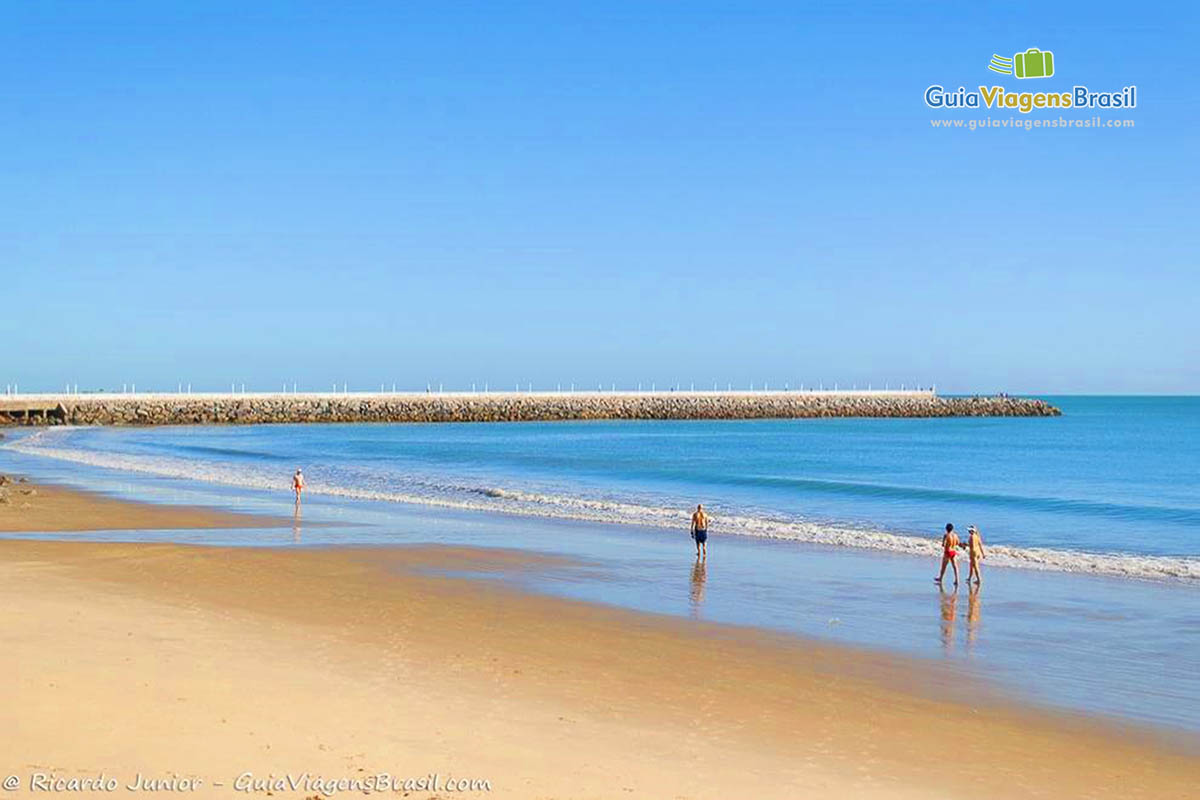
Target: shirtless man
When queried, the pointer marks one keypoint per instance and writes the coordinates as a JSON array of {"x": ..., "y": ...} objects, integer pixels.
[
  {"x": 975, "y": 551},
  {"x": 700, "y": 532},
  {"x": 950, "y": 545},
  {"x": 298, "y": 484}
]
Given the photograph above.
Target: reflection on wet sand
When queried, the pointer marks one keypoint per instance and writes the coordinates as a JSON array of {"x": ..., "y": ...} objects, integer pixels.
[
  {"x": 296, "y": 524},
  {"x": 973, "y": 614},
  {"x": 699, "y": 576},
  {"x": 949, "y": 609}
]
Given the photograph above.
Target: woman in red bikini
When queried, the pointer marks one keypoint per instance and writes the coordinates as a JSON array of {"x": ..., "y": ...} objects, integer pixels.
[
  {"x": 950, "y": 545},
  {"x": 298, "y": 485}
]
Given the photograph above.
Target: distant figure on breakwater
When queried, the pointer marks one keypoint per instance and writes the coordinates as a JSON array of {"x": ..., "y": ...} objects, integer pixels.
[
  {"x": 700, "y": 532},
  {"x": 298, "y": 484},
  {"x": 950, "y": 545}
]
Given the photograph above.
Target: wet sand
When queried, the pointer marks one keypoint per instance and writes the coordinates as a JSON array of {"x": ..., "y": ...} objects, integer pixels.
[
  {"x": 213, "y": 662},
  {"x": 53, "y": 509}
]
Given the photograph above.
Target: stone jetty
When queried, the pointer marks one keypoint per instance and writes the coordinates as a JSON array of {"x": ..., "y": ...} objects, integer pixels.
[{"x": 245, "y": 409}]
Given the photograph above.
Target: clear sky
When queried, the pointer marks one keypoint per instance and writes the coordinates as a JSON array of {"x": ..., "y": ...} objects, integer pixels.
[{"x": 617, "y": 191}]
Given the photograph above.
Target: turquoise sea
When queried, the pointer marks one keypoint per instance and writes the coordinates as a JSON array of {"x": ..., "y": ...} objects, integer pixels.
[{"x": 823, "y": 528}]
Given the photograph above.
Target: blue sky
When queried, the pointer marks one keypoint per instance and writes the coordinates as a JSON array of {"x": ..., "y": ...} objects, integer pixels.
[{"x": 628, "y": 192}]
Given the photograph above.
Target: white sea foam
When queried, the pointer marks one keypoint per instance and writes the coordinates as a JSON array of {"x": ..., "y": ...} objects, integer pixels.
[{"x": 564, "y": 506}]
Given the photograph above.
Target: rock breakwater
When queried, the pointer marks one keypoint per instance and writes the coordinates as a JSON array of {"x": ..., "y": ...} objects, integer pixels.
[{"x": 184, "y": 409}]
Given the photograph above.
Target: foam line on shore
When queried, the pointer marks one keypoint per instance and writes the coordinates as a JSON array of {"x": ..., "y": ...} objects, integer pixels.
[{"x": 559, "y": 506}]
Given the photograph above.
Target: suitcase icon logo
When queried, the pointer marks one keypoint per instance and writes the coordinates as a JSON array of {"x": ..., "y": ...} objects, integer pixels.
[{"x": 1033, "y": 63}]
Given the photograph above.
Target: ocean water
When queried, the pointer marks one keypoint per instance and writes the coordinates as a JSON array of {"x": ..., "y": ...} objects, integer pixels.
[
  {"x": 825, "y": 528},
  {"x": 1112, "y": 487}
]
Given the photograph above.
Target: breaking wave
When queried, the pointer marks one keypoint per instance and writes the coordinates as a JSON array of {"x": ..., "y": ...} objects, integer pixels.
[{"x": 363, "y": 485}]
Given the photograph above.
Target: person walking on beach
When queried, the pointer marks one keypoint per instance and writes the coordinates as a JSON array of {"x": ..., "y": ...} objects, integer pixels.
[
  {"x": 975, "y": 551},
  {"x": 950, "y": 545},
  {"x": 700, "y": 532},
  {"x": 298, "y": 484}
]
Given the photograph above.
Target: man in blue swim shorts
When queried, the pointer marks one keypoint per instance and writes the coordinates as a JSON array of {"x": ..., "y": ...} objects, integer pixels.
[{"x": 700, "y": 532}]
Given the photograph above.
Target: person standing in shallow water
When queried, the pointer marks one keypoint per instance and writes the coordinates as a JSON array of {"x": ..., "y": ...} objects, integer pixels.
[
  {"x": 950, "y": 545},
  {"x": 700, "y": 532},
  {"x": 298, "y": 485}
]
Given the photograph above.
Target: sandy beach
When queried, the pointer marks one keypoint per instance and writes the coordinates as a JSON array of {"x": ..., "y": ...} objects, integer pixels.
[
  {"x": 50, "y": 509},
  {"x": 253, "y": 670},
  {"x": 592, "y": 401}
]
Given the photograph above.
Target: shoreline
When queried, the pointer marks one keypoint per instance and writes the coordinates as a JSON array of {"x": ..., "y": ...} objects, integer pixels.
[
  {"x": 520, "y": 504},
  {"x": 595, "y": 691}
]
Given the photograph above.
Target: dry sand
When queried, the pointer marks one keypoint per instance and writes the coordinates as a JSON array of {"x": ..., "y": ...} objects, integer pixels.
[{"x": 211, "y": 663}]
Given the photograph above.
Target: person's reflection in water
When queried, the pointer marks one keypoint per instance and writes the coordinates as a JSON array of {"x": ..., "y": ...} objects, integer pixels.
[
  {"x": 949, "y": 602},
  {"x": 699, "y": 576},
  {"x": 974, "y": 609},
  {"x": 296, "y": 524}
]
